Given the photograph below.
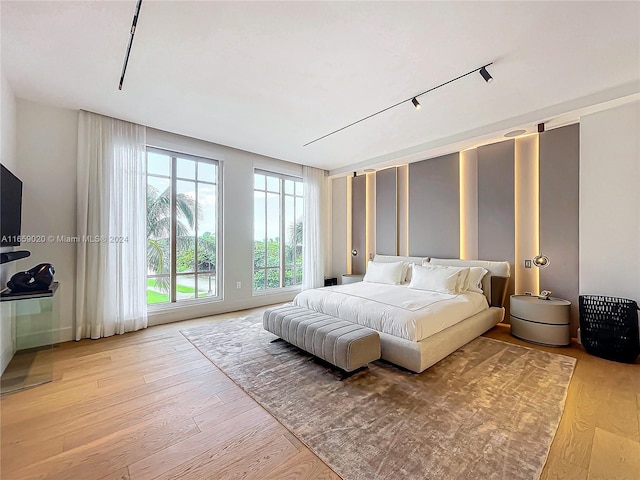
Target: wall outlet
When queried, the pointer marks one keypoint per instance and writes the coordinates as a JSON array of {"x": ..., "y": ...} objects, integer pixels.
[
  {"x": 238, "y": 284},
  {"x": 527, "y": 264}
]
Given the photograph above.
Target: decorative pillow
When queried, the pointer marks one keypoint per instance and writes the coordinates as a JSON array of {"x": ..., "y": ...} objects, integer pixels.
[
  {"x": 396, "y": 258},
  {"x": 463, "y": 279},
  {"x": 406, "y": 272},
  {"x": 474, "y": 281},
  {"x": 500, "y": 269},
  {"x": 389, "y": 273},
  {"x": 442, "y": 280},
  {"x": 462, "y": 283}
]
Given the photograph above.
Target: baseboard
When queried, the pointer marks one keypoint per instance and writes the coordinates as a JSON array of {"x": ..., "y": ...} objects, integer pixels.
[{"x": 178, "y": 314}]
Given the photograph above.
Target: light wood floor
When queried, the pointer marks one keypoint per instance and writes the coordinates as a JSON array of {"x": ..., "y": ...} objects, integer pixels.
[
  {"x": 148, "y": 405},
  {"x": 599, "y": 434}
]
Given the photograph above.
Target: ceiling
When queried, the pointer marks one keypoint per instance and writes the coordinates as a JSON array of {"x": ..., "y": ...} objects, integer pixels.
[{"x": 268, "y": 77}]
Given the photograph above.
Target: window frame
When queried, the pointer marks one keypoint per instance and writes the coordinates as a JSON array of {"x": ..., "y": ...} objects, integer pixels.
[
  {"x": 283, "y": 266},
  {"x": 173, "y": 275}
]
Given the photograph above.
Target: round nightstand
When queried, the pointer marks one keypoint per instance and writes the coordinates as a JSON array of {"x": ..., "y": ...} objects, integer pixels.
[
  {"x": 540, "y": 321},
  {"x": 352, "y": 278}
]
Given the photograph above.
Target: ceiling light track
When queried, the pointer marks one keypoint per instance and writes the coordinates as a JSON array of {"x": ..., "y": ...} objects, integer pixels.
[
  {"x": 413, "y": 99},
  {"x": 131, "y": 34}
]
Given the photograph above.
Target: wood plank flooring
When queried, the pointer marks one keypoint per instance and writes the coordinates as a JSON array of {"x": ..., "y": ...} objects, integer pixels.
[
  {"x": 599, "y": 433},
  {"x": 148, "y": 405}
]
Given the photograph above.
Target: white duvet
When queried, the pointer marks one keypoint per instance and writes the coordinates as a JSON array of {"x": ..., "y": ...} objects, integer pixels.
[{"x": 394, "y": 309}]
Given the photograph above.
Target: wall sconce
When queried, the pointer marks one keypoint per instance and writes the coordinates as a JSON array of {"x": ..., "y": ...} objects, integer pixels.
[
  {"x": 541, "y": 261},
  {"x": 354, "y": 253}
]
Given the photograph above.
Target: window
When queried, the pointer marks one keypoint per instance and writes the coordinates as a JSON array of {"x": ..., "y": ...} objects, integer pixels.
[
  {"x": 277, "y": 245},
  {"x": 182, "y": 227}
]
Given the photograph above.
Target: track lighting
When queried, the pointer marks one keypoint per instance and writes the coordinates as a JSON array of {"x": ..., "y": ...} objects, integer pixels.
[
  {"x": 414, "y": 100},
  {"x": 487, "y": 77},
  {"x": 132, "y": 32}
]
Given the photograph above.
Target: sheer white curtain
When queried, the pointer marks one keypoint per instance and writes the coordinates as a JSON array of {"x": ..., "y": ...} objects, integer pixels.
[
  {"x": 314, "y": 228},
  {"x": 111, "y": 251}
]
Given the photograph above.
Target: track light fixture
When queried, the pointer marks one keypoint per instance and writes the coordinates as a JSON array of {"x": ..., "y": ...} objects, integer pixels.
[
  {"x": 413, "y": 99},
  {"x": 487, "y": 77},
  {"x": 132, "y": 32}
]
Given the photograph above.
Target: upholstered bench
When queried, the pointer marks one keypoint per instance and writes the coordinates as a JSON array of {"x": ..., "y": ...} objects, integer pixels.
[{"x": 346, "y": 345}]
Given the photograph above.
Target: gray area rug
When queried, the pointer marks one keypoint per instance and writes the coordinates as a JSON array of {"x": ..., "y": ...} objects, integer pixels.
[{"x": 487, "y": 411}]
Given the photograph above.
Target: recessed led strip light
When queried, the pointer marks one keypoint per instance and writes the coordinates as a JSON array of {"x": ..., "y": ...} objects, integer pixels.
[{"x": 413, "y": 99}]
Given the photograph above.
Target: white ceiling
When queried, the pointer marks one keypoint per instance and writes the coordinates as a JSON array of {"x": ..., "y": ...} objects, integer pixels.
[{"x": 268, "y": 77}]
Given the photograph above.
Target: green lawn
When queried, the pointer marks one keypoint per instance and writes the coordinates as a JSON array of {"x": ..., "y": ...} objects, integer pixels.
[
  {"x": 154, "y": 296},
  {"x": 184, "y": 289}
]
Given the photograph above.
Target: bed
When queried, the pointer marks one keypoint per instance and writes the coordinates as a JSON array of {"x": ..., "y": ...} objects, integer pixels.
[{"x": 416, "y": 328}]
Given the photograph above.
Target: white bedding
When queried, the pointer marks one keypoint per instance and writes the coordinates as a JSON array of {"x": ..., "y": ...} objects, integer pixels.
[{"x": 394, "y": 309}]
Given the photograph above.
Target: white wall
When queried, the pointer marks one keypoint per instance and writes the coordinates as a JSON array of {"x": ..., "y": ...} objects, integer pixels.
[
  {"x": 8, "y": 159},
  {"x": 7, "y": 126},
  {"x": 610, "y": 202},
  {"x": 46, "y": 152}
]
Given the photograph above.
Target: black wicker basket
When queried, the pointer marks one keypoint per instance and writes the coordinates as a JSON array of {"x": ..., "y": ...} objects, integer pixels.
[{"x": 609, "y": 327}]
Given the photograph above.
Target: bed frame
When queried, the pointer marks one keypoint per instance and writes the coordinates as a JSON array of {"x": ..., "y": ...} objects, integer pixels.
[{"x": 418, "y": 356}]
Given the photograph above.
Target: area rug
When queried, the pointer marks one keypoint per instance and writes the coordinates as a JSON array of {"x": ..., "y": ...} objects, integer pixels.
[{"x": 490, "y": 410}]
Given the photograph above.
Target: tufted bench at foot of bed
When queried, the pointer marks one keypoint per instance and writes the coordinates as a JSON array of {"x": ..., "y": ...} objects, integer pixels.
[{"x": 346, "y": 345}]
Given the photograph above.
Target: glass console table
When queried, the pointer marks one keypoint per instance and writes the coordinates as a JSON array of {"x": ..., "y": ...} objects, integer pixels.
[{"x": 29, "y": 326}]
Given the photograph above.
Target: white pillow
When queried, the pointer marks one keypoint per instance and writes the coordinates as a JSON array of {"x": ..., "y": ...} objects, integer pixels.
[
  {"x": 389, "y": 273},
  {"x": 462, "y": 283},
  {"x": 474, "y": 281},
  {"x": 408, "y": 261},
  {"x": 406, "y": 272},
  {"x": 442, "y": 280},
  {"x": 463, "y": 280}
]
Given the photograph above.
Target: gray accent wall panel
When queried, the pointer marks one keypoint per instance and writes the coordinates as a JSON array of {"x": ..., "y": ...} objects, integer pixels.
[
  {"x": 496, "y": 210},
  {"x": 359, "y": 223},
  {"x": 434, "y": 207},
  {"x": 387, "y": 212},
  {"x": 559, "y": 214},
  {"x": 496, "y": 213},
  {"x": 403, "y": 210}
]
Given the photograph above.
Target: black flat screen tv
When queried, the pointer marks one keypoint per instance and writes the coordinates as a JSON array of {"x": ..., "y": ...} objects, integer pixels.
[{"x": 10, "y": 208}]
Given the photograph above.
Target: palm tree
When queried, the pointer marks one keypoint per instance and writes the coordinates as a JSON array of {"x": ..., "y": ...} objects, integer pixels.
[
  {"x": 159, "y": 229},
  {"x": 295, "y": 232},
  {"x": 295, "y": 238}
]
